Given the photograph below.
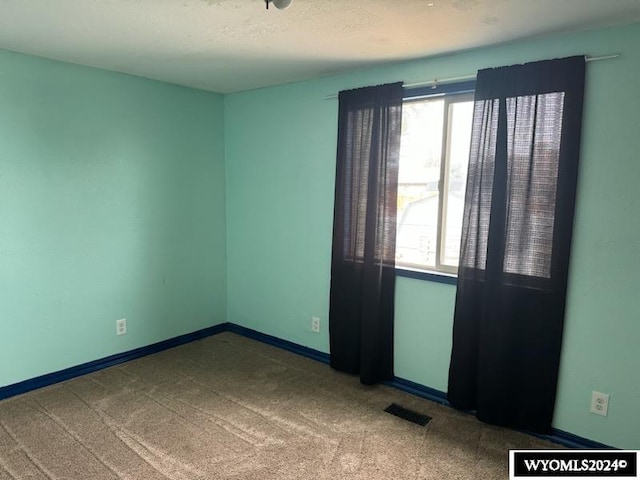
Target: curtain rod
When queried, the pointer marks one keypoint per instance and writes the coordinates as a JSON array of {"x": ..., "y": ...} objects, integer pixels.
[{"x": 462, "y": 78}]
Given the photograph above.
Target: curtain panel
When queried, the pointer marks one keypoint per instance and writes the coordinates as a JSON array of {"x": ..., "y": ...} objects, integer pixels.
[
  {"x": 517, "y": 227},
  {"x": 363, "y": 254}
]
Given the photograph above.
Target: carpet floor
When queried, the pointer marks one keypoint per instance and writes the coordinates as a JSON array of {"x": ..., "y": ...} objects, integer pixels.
[{"x": 227, "y": 407}]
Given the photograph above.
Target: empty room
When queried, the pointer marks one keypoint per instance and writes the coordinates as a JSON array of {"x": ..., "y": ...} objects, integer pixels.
[{"x": 317, "y": 239}]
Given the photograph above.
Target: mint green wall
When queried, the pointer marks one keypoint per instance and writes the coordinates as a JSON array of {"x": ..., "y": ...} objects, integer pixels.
[
  {"x": 280, "y": 155},
  {"x": 111, "y": 206}
]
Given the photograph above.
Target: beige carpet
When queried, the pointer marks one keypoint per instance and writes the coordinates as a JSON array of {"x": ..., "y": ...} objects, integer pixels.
[{"x": 229, "y": 407}]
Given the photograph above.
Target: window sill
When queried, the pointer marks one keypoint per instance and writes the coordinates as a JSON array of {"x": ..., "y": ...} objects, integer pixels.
[{"x": 438, "y": 277}]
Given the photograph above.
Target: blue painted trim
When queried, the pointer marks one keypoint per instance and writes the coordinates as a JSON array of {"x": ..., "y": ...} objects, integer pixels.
[
  {"x": 419, "y": 390},
  {"x": 280, "y": 343},
  {"x": 570, "y": 440},
  {"x": 95, "y": 365},
  {"x": 558, "y": 436},
  {"x": 574, "y": 441},
  {"x": 429, "y": 276}
]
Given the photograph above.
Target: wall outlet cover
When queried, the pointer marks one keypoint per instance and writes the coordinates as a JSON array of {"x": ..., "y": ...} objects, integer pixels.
[
  {"x": 315, "y": 324},
  {"x": 121, "y": 326},
  {"x": 599, "y": 403}
]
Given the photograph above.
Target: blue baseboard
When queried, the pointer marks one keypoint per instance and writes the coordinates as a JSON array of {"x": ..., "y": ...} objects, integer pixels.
[
  {"x": 280, "y": 343},
  {"x": 83, "y": 369},
  {"x": 570, "y": 440},
  {"x": 419, "y": 390},
  {"x": 558, "y": 436}
]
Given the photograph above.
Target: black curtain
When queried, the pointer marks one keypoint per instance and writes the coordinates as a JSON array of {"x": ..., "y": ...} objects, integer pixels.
[
  {"x": 364, "y": 230},
  {"x": 516, "y": 239}
]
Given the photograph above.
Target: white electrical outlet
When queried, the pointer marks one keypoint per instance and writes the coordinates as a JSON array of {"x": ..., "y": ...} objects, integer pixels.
[
  {"x": 315, "y": 324},
  {"x": 599, "y": 403},
  {"x": 121, "y": 326}
]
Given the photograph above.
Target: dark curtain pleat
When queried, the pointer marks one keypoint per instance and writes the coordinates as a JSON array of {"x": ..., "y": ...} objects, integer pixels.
[
  {"x": 516, "y": 238},
  {"x": 363, "y": 257}
]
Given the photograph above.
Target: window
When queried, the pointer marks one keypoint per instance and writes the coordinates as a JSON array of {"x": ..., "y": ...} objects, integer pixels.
[{"x": 434, "y": 154}]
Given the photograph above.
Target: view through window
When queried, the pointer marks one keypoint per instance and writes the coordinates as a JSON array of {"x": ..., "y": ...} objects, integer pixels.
[{"x": 434, "y": 154}]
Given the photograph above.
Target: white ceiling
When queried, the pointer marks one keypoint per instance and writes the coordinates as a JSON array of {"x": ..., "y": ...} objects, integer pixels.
[{"x": 232, "y": 45}]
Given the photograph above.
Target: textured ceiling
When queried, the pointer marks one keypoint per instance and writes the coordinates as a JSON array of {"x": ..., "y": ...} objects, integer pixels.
[{"x": 233, "y": 45}]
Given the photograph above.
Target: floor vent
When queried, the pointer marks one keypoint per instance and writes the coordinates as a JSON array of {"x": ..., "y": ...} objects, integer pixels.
[{"x": 406, "y": 414}]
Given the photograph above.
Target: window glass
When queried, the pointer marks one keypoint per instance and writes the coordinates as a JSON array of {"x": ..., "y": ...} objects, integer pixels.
[
  {"x": 458, "y": 143},
  {"x": 434, "y": 154}
]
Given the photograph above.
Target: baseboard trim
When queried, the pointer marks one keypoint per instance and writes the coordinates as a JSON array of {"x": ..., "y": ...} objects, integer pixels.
[
  {"x": 574, "y": 441},
  {"x": 95, "y": 365},
  {"x": 280, "y": 343},
  {"x": 419, "y": 390},
  {"x": 557, "y": 436}
]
